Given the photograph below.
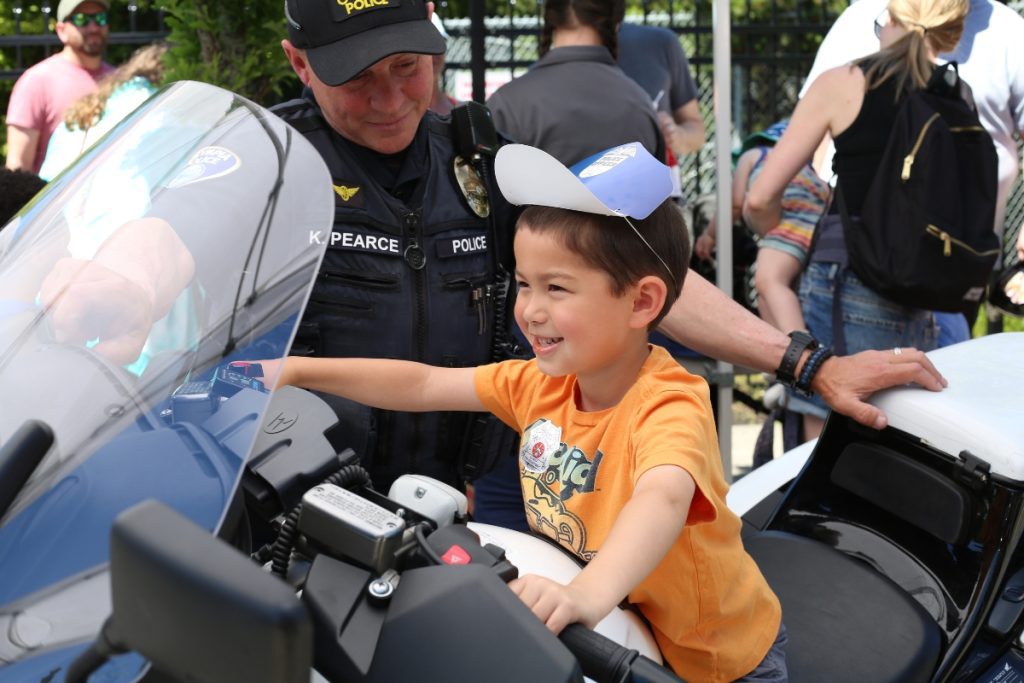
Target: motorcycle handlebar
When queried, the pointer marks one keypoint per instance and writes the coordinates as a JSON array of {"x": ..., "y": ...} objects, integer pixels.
[{"x": 605, "y": 661}]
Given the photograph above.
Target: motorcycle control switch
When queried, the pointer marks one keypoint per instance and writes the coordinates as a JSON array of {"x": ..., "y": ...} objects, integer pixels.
[{"x": 347, "y": 525}]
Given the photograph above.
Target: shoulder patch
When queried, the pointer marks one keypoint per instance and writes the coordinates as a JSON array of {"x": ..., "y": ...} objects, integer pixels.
[{"x": 349, "y": 193}]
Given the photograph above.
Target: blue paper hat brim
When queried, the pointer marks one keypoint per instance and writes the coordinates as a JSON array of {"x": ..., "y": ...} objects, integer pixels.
[{"x": 622, "y": 181}]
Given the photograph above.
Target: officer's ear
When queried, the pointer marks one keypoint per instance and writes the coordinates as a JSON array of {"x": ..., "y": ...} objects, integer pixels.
[{"x": 297, "y": 58}]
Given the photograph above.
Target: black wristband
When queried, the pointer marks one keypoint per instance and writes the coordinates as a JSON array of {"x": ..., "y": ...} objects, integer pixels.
[
  {"x": 811, "y": 367},
  {"x": 799, "y": 341}
]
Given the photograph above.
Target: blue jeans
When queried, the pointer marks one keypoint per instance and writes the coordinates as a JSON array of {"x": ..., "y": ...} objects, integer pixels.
[
  {"x": 772, "y": 668},
  {"x": 953, "y": 328},
  {"x": 498, "y": 496},
  {"x": 870, "y": 321}
]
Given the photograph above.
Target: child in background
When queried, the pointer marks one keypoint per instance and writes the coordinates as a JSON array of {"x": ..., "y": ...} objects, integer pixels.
[
  {"x": 619, "y": 459},
  {"x": 782, "y": 251},
  {"x": 781, "y": 254},
  {"x": 91, "y": 117}
]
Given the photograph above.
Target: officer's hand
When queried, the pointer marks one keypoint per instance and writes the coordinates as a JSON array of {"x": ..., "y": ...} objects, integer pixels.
[
  {"x": 845, "y": 381},
  {"x": 87, "y": 301}
]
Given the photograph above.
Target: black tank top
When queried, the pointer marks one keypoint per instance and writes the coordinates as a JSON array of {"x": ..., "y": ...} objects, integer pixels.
[{"x": 859, "y": 148}]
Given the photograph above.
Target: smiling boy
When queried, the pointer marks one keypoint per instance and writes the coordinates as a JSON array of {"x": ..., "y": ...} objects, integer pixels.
[{"x": 619, "y": 457}]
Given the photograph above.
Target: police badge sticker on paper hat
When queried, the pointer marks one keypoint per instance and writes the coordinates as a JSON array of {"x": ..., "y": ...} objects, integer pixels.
[
  {"x": 622, "y": 181},
  {"x": 342, "y": 38}
]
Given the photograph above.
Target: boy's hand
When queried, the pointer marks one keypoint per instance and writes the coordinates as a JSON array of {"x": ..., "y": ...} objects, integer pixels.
[
  {"x": 278, "y": 372},
  {"x": 554, "y": 604}
]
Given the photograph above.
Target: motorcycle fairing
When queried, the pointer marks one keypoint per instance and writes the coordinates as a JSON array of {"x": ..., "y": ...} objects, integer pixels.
[{"x": 242, "y": 193}]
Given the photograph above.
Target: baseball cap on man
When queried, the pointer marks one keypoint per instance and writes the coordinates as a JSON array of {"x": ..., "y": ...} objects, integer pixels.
[
  {"x": 68, "y": 7},
  {"x": 342, "y": 38}
]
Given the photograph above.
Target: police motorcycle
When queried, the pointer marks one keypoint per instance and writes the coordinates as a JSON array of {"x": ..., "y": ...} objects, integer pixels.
[
  {"x": 163, "y": 516},
  {"x": 897, "y": 554}
]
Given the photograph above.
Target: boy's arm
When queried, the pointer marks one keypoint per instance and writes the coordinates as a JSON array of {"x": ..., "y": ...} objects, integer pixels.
[
  {"x": 385, "y": 383},
  {"x": 643, "y": 532}
]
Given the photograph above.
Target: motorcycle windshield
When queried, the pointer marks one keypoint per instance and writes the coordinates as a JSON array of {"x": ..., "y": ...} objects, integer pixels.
[{"x": 133, "y": 290}]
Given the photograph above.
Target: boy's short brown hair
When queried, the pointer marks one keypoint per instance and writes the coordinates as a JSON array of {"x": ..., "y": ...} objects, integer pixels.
[{"x": 608, "y": 243}]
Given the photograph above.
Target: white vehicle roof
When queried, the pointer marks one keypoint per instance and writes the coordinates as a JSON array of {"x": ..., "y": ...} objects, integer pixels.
[{"x": 982, "y": 409}]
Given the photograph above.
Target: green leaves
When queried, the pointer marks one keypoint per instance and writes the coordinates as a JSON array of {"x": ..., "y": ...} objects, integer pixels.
[{"x": 235, "y": 44}]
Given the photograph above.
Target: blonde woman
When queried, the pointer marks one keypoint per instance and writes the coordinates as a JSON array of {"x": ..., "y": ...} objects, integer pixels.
[
  {"x": 116, "y": 96},
  {"x": 857, "y": 104}
]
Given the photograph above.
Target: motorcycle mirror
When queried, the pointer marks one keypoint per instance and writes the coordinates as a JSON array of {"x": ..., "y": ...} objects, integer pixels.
[
  {"x": 198, "y": 609},
  {"x": 19, "y": 457}
]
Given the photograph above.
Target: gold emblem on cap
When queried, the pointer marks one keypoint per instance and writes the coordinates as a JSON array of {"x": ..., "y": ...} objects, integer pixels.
[
  {"x": 472, "y": 187},
  {"x": 346, "y": 193}
]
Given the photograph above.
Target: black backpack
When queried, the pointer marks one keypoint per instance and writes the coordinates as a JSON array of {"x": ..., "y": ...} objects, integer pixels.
[{"x": 925, "y": 235}]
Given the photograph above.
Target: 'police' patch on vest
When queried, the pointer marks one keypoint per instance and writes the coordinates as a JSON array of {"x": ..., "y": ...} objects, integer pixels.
[
  {"x": 355, "y": 241},
  {"x": 461, "y": 246},
  {"x": 346, "y": 9},
  {"x": 349, "y": 194}
]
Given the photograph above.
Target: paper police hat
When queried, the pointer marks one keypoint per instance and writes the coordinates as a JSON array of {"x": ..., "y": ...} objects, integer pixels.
[
  {"x": 342, "y": 38},
  {"x": 622, "y": 181}
]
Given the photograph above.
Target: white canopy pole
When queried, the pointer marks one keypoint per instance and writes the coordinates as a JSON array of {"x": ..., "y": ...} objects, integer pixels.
[{"x": 720, "y": 22}]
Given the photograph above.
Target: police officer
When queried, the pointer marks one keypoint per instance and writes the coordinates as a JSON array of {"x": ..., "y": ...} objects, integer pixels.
[
  {"x": 419, "y": 255},
  {"x": 416, "y": 259}
]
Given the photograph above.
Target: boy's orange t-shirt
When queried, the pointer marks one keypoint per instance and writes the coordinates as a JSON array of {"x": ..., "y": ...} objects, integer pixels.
[{"x": 710, "y": 609}]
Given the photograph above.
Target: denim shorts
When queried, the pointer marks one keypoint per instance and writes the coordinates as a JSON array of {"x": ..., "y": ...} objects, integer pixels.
[
  {"x": 772, "y": 668},
  {"x": 870, "y": 321}
]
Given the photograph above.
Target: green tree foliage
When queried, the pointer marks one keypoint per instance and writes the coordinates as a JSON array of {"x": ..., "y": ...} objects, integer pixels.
[{"x": 235, "y": 44}]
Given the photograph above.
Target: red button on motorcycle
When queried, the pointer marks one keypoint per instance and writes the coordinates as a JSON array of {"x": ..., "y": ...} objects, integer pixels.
[{"x": 455, "y": 555}]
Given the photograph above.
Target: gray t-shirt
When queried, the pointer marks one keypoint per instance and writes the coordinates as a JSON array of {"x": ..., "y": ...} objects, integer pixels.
[{"x": 653, "y": 57}]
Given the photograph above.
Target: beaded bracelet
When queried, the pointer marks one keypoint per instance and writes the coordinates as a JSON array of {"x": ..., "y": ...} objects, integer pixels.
[{"x": 811, "y": 367}]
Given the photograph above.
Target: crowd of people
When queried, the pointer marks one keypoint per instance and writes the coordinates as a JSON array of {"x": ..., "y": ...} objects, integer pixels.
[{"x": 533, "y": 341}]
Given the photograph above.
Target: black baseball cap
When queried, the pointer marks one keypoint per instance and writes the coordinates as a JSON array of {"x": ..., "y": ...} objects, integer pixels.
[{"x": 344, "y": 37}]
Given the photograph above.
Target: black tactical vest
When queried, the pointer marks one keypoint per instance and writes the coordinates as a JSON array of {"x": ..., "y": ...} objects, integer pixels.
[{"x": 412, "y": 280}]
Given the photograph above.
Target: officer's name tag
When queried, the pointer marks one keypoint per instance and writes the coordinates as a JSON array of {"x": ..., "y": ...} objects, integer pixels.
[
  {"x": 355, "y": 241},
  {"x": 461, "y": 246}
]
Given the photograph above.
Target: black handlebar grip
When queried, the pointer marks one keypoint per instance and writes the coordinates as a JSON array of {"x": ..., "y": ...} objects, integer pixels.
[
  {"x": 602, "y": 659},
  {"x": 644, "y": 670}
]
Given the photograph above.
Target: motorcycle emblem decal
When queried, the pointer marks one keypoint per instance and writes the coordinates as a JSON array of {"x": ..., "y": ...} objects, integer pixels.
[
  {"x": 206, "y": 164},
  {"x": 472, "y": 187},
  {"x": 280, "y": 422},
  {"x": 540, "y": 440},
  {"x": 346, "y": 193}
]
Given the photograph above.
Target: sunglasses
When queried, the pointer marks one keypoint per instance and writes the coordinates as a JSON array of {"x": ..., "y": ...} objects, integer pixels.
[
  {"x": 880, "y": 22},
  {"x": 82, "y": 19}
]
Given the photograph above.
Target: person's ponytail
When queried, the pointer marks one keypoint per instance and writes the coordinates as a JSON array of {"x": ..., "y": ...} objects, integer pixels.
[{"x": 932, "y": 27}]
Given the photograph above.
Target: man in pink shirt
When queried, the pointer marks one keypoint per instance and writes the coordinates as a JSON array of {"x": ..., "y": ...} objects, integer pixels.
[{"x": 44, "y": 91}]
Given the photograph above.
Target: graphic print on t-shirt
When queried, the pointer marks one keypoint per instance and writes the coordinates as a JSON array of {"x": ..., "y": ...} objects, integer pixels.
[{"x": 552, "y": 472}]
